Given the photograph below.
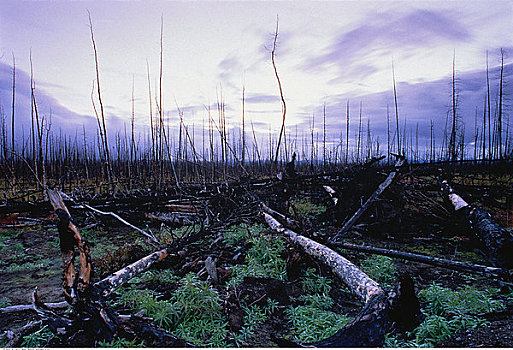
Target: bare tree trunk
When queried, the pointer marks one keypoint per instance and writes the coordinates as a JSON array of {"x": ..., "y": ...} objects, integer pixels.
[
  {"x": 12, "y": 113},
  {"x": 499, "y": 115},
  {"x": 105, "y": 138},
  {"x": 283, "y": 105},
  {"x": 396, "y": 113},
  {"x": 347, "y": 131}
]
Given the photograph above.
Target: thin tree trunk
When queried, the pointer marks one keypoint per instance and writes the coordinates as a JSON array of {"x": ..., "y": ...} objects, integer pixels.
[{"x": 283, "y": 105}]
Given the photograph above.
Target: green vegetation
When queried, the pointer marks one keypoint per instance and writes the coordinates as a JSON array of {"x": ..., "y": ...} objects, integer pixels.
[
  {"x": 446, "y": 312},
  {"x": 313, "y": 321},
  {"x": 305, "y": 207},
  {"x": 121, "y": 343},
  {"x": 311, "y": 324},
  {"x": 238, "y": 234},
  {"x": 314, "y": 283},
  {"x": 444, "y": 301},
  {"x": 193, "y": 311},
  {"x": 262, "y": 259},
  {"x": 15, "y": 267},
  {"x": 254, "y": 316},
  {"x": 381, "y": 269},
  {"x": 4, "y": 302},
  {"x": 38, "y": 339}
]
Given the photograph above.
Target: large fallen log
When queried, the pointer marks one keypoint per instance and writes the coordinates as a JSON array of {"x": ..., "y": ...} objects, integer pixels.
[
  {"x": 369, "y": 327},
  {"x": 497, "y": 242},
  {"x": 488, "y": 271},
  {"x": 381, "y": 188}
]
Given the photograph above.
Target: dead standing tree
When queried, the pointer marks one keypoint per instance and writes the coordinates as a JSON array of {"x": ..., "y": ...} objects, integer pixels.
[{"x": 283, "y": 105}]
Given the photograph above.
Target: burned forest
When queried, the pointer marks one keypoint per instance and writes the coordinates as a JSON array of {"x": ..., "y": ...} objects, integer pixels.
[{"x": 224, "y": 236}]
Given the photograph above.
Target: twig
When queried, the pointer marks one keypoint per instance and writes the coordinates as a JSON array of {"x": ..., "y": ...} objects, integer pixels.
[{"x": 123, "y": 221}]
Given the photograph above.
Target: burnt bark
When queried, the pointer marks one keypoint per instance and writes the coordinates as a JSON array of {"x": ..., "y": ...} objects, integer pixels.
[
  {"x": 381, "y": 188},
  {"x": 497, "y": 242},
  {"x": 488, "y": 271},
  {"x": 369, "y": 327}
]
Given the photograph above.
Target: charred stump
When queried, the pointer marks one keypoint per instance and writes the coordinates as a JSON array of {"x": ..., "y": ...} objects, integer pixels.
[{"x": 91, "y": 318}]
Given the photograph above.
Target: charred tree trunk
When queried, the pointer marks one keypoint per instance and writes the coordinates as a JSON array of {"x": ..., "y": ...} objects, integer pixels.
[
  {"x": 497, "y": 242},
  {"x": 68, "y": 238},
  {"x": 92, "y": 319},
  {"x": 381, "y": 188},
  {"x": 369, "y": 327},
  {"x": 487, "y": 271}
]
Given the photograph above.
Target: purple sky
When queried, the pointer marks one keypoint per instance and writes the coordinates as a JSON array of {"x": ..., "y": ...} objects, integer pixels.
[{"x": 328, "y": 53}]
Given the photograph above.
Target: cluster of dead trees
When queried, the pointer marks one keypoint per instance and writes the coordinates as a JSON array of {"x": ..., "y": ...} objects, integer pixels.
[{"x": 93, "y": 319}]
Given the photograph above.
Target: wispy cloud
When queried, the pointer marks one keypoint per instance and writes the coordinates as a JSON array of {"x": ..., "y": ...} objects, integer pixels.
[
  {"x": 261, "y": 98},
  {"x": 357, "y": 51}
]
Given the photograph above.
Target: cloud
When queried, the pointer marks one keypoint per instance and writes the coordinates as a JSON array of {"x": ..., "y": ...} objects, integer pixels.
[
  {"x": 262, "y": 98},
  {"x": 355, "y": 52},
  {"x": 62, "y": 118},
  {"x": 418, "y": 104}
]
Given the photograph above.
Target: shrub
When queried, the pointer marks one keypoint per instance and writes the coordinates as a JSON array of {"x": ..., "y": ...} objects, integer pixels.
[
  {"x": 262, "y": 259},
  {"x": 311, "y": 324},
  {"x": 305, "y": 207},
  {"x": 381, "y": 269}
]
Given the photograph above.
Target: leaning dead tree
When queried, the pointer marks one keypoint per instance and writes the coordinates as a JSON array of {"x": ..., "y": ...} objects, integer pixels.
[
  {"x": 369, "y": 327},
  {"x": 381, "y": 188},
  {"x": 497, "y": 242}
]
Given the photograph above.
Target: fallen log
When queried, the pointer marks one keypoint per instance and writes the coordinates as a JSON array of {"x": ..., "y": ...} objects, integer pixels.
[
  {"x": 369, "y": 327},
  {"x": 285, "y": 220},
  {"x": 381, "y": 188},
  {"x": 488, "y": 271},
  {"x": 19, "y": 308},
  {"x": 15, "y": 337},
  {"x": 497, "y": 241},
  {"x": 173, "y": 218}
]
